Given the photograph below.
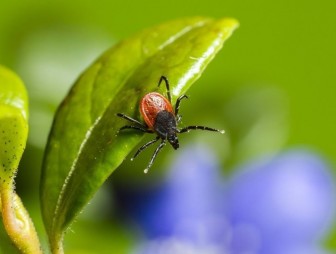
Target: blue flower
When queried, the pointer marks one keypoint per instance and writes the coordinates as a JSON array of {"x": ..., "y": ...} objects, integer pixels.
[
  {"x": 287, "y": 203},
  {"x": 280, "y": 205}
]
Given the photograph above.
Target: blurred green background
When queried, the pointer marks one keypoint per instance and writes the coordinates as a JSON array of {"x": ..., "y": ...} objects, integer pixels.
[{"x": 271, "y": 87}]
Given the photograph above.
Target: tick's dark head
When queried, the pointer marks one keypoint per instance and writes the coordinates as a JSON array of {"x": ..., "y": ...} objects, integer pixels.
[
  {"x": 165, "y": 127},
  {"x": 173, "y": 140}
]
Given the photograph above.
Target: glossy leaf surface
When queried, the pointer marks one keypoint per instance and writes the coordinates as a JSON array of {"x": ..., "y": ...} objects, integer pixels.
[
  {"x": 84, "y": 147},
  {"x": 13, "y": 124}
]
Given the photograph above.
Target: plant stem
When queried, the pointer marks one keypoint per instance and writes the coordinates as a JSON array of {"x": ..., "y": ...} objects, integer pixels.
[
  {"x": 57, "y": 244},
  {"x": 18, "y": 224}
]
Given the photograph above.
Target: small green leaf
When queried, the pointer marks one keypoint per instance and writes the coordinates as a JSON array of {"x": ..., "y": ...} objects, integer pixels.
[
  {"x": 13, "y": 124},
  {"x": 13, "y": 138},
  {"x": 84, "y": 148}
]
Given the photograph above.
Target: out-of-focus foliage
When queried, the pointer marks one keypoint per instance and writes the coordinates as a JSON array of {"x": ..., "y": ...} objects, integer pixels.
[{"x": 276, "y": 74}]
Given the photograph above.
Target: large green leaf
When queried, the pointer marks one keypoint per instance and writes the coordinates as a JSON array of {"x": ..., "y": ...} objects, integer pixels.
[{"x": 84, "y": 147}]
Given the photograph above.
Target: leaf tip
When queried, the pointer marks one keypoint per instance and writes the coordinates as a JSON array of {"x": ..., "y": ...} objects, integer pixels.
[{"x": 230, "y": 22}]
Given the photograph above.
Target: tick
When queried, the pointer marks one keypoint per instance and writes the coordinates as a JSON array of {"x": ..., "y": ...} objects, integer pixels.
[{"x": 161, "y": 119}]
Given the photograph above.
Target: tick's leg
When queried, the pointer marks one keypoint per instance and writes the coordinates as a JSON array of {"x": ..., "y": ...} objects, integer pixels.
[
  {"x": 167, "y": 86},
  {"x": 131, "y": 120},
  {"x": 177, "y": 106},
  {"x": 157, "y": 150},
  {"x": 135, "y": 128},
  {"x": 144, "y": 147},
  {"x": 204, "y": 128}
]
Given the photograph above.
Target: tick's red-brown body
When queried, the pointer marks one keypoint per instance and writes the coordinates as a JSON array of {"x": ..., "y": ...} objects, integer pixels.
[
  {"x": 151, "y": 104},
  {"x": 160, "y": 118}
]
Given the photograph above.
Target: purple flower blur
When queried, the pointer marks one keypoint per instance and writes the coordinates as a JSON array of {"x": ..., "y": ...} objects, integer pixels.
[
  {"x": 281, "y": 205},
  {"x": 288, "y": 202}
]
